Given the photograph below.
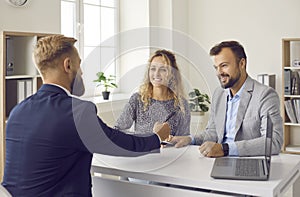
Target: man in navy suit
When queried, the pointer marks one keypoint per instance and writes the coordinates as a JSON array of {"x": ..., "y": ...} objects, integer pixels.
[{"x": 52, "y": 135}]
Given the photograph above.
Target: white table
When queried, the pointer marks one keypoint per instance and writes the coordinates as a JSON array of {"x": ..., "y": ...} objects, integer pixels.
[{"x": 186, "y": 168}]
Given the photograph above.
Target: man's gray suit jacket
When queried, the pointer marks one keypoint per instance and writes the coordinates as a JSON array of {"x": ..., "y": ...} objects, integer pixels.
[{"x": 255, "y": 102}]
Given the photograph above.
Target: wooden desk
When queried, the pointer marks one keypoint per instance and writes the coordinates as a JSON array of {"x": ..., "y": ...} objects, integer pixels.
[{"x": 185, "y": 168}]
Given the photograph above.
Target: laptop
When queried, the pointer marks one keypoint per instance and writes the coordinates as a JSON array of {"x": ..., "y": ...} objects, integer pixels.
[{"x": 246, "y": 168}]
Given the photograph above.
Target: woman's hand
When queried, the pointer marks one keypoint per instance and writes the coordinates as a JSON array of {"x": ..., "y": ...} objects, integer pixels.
[{"x": 181, "y": 141}]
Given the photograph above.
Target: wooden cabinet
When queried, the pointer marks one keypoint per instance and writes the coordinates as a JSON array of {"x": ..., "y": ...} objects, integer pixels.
[
  {"x": 19, "y": 77},
  {"x": 291, "y": 94}
]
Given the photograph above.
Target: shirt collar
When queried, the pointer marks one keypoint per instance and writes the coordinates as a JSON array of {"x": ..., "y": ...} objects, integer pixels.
[
  {"x": 64, "y": 89},
  {"x": 238, "y": 94}
]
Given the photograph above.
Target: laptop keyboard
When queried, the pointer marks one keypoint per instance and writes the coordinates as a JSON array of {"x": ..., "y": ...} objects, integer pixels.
[{"x": 247, "y": 167}]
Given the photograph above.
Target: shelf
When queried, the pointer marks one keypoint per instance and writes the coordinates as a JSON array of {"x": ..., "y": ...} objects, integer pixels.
[
  {"x": 116, "y": 102},
  {"x": 20, "y": 76},
  {"x": 292, "y": 124},
  {"x": 292, "y": 149},
  {"x": 290, "y": 39},
  {"x": 290, "y": 79},
  {"x": 292, "y": 68},
  {"x": 291, "y": 96},
  {"x": 115, "y": 97}
]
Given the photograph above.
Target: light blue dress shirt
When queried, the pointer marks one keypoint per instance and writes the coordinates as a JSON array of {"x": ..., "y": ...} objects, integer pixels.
[{"x": 231, "y": 113}]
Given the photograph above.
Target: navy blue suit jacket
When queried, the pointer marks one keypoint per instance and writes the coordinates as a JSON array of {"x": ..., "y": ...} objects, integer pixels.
[{"x": 50, "y": 138}]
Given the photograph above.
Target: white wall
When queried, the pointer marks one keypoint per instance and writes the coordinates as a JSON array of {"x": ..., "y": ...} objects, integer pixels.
[
  {"x": 37, "y": 16},
  {"x": 191, "y": 56},
  {"x": 134, "y": 53},
  {"x": 160, "y": 13},
  {"x": 258, "y": 25},
  {"x": 167, "y": 23}
]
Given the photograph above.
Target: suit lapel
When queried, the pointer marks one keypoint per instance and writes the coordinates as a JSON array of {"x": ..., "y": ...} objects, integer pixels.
[{"x": 244, "y": 102}]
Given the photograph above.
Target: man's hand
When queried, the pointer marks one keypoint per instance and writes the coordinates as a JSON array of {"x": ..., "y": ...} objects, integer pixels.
[
  {"x": 162, "y": 130},
  {"x": 211, "y": 149},
  {"x": 180, "y": 141}
]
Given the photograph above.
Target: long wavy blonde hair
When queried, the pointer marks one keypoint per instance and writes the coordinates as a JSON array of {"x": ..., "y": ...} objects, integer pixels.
[{"x": 175, "y": 87}]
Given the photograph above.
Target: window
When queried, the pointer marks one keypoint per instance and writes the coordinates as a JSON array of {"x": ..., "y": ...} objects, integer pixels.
[{"x": 94, "y": 23}]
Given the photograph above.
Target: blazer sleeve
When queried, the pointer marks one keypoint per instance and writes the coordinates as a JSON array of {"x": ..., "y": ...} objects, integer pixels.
[{"x": 99, "y": 138}]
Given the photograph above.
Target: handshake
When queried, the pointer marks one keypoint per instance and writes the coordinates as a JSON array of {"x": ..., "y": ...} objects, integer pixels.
[{"x": 163, "y": 131}]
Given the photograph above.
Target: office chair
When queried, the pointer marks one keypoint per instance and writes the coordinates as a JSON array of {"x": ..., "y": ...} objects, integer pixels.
[{"x": 4, "y": 192}]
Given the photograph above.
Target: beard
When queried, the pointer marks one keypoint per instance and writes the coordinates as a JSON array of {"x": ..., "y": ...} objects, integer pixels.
[
  {"x": 77, "y": 86},
  {"x": 231, "y": 81}
]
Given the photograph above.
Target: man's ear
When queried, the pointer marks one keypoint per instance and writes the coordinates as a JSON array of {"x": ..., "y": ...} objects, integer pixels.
[
  {"x": 67, "y": 64},
  {"x": 243, "y": 62}
]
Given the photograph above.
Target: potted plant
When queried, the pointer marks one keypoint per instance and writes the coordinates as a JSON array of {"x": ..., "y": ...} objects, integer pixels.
[
  {"x": 198, "y": 102},
  {"x": 106, "y": 82}
]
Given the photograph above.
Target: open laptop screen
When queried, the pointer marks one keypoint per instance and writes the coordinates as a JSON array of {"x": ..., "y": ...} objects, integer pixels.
[
  {"x": 244, "y": 167},
  {"x": 268, "y": 144}
]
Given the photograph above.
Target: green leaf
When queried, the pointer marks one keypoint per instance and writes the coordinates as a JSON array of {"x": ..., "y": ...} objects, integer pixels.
[
  {"x": 105, "y": 81},
  {"x": 198, "y": 101},
  {"x": 197, "y": 92}
]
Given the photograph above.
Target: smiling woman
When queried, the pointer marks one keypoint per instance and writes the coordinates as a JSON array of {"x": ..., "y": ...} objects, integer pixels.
[
  {"x": 160, "y": 95},
  {"x": 158, "y": 72}
]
